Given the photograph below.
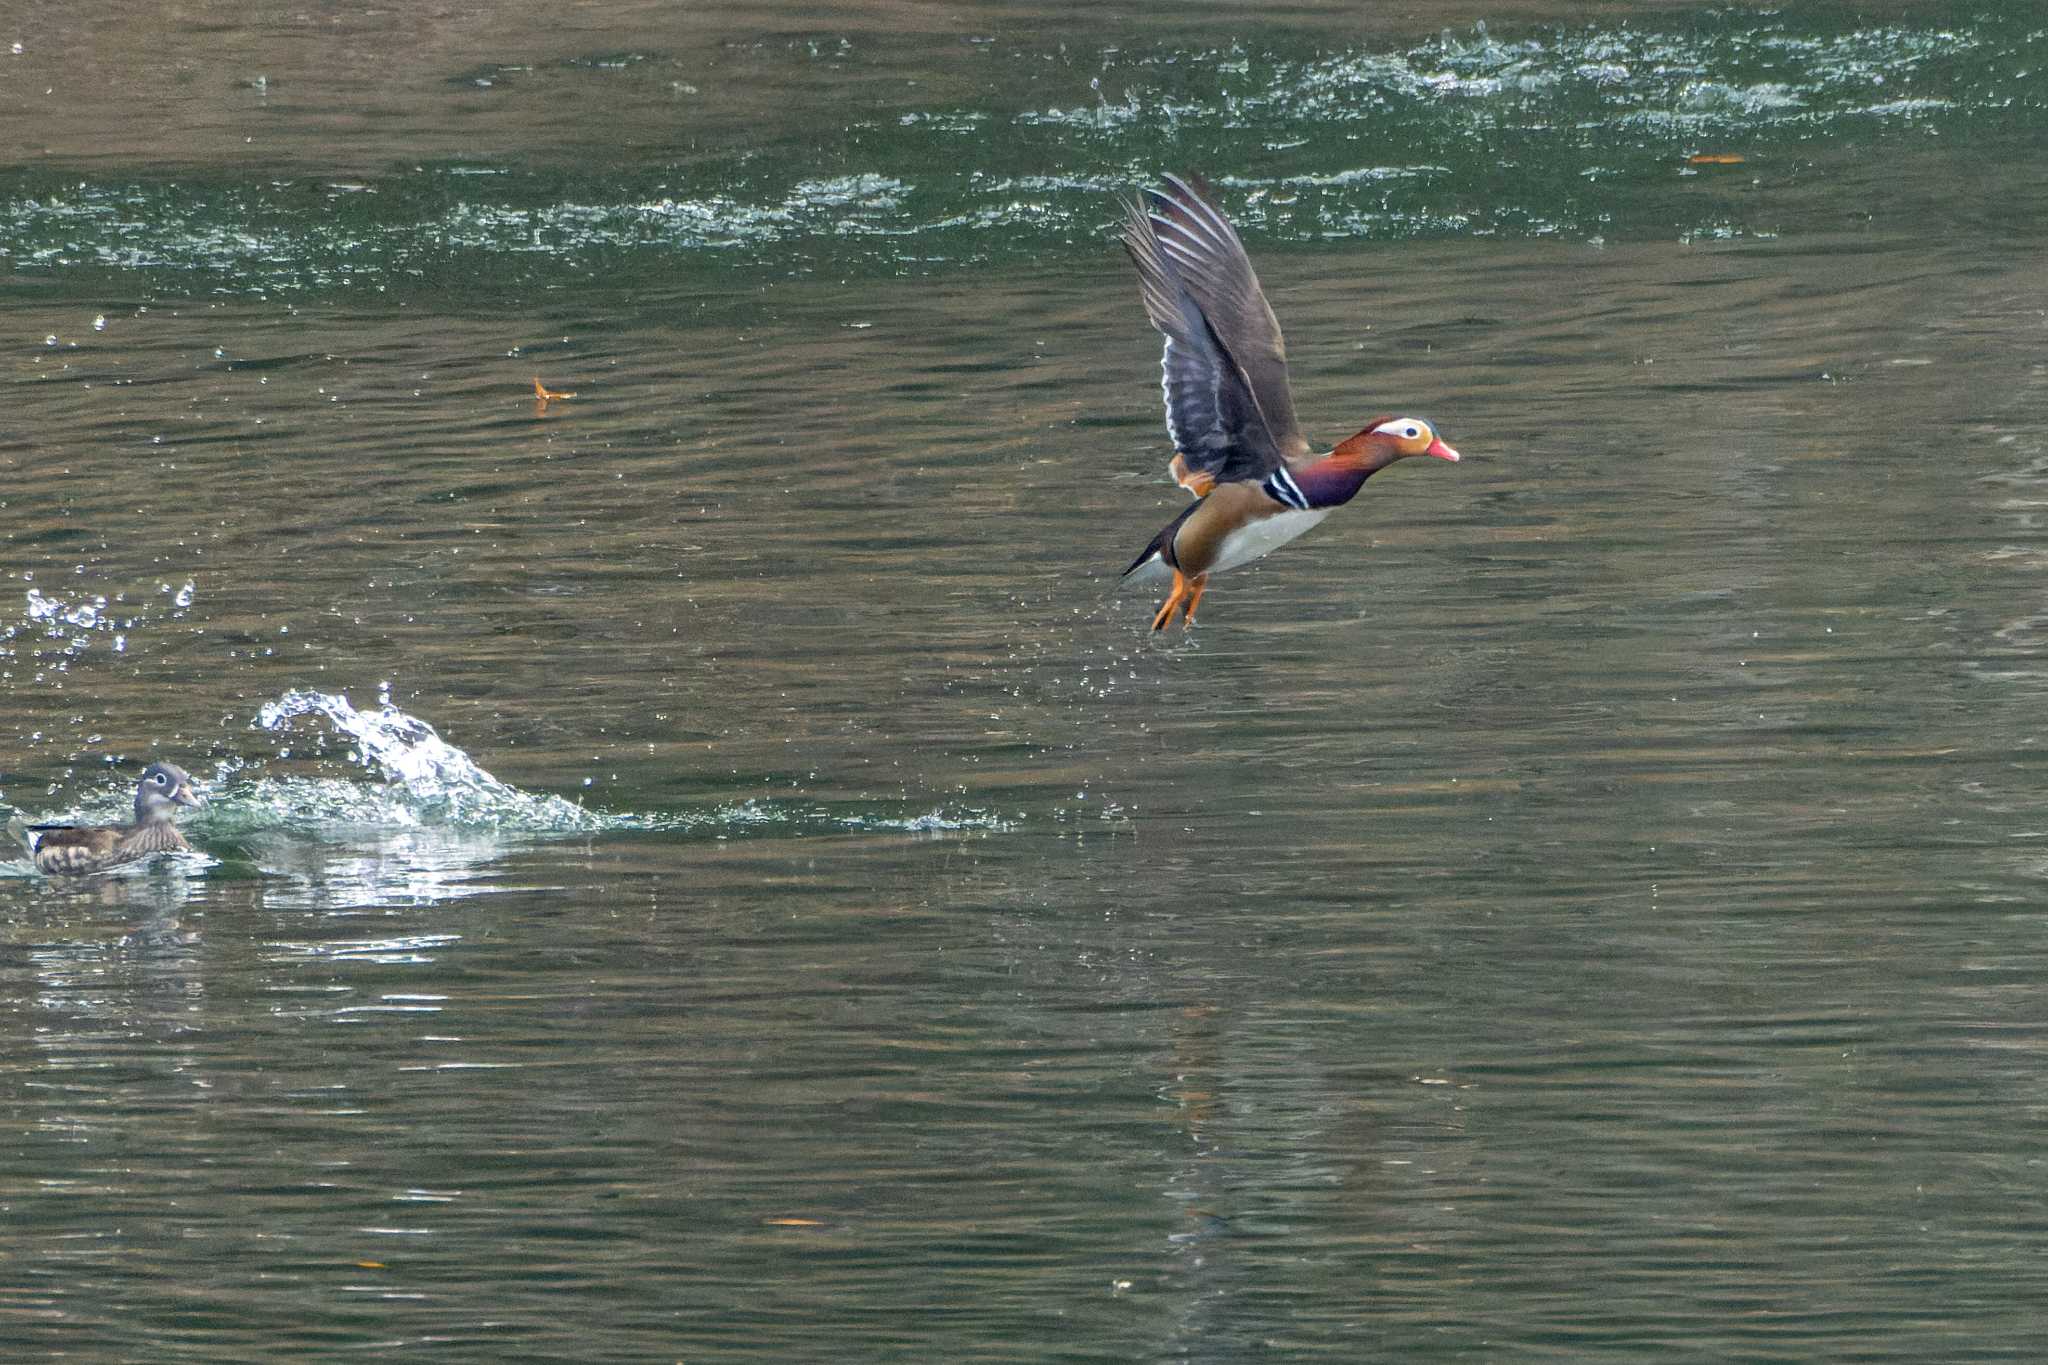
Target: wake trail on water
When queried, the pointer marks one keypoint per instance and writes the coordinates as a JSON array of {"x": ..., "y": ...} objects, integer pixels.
[
  {"x": 426, "y": 781},
  {"x": 419, "y": 785}
]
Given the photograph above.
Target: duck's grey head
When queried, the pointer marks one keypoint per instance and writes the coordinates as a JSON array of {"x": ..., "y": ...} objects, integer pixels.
[{"x": 164, "y": 787}]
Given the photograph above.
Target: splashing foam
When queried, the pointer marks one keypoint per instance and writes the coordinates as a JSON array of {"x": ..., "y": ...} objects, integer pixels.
[
  {"x": 432, "y": 781},
  {"x": 428, "y": 781}
]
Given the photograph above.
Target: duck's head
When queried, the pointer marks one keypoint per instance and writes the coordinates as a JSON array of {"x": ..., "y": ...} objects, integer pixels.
[
  {"x": 164, "y": 787},
  {"x": 1387, "y": 439}
]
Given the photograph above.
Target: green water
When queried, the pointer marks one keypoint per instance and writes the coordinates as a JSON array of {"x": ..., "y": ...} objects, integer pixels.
[
  {"x": 764, "y": 896},
  {"x": 758, "y": 153}
]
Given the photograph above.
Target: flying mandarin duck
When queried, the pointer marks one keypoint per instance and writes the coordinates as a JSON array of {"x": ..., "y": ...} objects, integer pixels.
[
  {"x": 1238, "y": 447},
  {"x": 79, "y": 849}
]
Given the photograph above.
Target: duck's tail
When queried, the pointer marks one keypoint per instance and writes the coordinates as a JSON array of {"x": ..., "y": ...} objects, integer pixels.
[{"x": 1155, "y": 561}]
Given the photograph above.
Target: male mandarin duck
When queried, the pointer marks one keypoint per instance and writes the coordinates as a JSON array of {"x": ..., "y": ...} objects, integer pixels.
[
  {"x": 1238, "y": 447},
  {"x": 78, "y": 849}
]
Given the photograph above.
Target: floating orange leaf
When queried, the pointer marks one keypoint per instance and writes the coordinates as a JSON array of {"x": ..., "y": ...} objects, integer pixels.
[
  {"x": 371, "y": 1265},
  {"x": 1716, "y": 159},
  {"x": 545, "y": 395},
  {"x": 792, "y": 1222}
]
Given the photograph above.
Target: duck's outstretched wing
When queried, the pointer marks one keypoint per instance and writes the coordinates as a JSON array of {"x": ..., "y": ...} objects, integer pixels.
[{"x": 1228, "y": 407}]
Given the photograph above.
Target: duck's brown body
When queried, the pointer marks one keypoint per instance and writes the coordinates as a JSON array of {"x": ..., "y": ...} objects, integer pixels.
[
  {"x": 1238, "y": 446},
  {"x": 77, "y": 850},
  {"x": 74, "y": 851},
  {"x": 1235, "y": 524}
]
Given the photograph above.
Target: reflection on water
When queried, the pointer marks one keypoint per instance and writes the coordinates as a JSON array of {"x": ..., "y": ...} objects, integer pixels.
[
  {"x": 780, "y": 904},
  {"x": 382, "y": 867}
]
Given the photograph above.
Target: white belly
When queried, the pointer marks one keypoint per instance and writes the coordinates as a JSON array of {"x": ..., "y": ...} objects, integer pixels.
[{"x": 1262, "y": 537}]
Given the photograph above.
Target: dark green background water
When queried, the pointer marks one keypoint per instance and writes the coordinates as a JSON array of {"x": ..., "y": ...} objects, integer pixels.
[{"x": 1586, "y": 901}]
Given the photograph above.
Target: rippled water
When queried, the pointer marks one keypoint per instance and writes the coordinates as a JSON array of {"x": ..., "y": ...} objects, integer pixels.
[
  {"x": 710, "y": 868},
  {"x": 985, "y": 146}
]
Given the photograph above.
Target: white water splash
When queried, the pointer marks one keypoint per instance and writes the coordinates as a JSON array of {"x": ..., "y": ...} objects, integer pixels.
[
  {"x": 52, "y": 610},
  {"x": 57, "y": 630},
  {"x": 436, "y": 821},
  {"x": 430, "y": 781}
]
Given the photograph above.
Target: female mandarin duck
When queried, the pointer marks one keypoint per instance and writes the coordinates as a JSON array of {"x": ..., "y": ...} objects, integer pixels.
[
  {"x": 78, "y": 849},
  {"x": 1238, "y": 447}
]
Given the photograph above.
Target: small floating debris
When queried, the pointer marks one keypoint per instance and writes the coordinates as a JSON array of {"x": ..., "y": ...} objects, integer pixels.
[
  {"x": 1716, "y": 159},
  {"x": 543, "y": 395}
]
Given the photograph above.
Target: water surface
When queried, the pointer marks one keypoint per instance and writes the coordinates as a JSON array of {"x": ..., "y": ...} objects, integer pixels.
[{"x": 712, "y": 870}]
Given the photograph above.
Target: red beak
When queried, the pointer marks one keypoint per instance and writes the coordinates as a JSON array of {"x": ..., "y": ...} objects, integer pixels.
[{"x": 1441, "y": 451}]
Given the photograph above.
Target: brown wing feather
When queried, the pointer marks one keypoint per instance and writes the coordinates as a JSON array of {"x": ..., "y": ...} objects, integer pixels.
[
  {"x": 79, "y": 849},
  {"x": 75, "y": 849}
]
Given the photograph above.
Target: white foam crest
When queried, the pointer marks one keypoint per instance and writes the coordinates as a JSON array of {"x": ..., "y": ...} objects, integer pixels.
[
  {"x": 436, "y": 782},
  {"x": 430, "y": 783}
]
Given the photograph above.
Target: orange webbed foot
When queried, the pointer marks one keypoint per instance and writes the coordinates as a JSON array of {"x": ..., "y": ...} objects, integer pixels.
[
  {"x": 1186, "y": 596},
  {"x": 1180, "y": 591}
]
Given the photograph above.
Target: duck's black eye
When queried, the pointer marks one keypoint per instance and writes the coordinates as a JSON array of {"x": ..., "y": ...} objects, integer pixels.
[
  {"x": 1411, "y": 433},
  {"x": 160, "y": 779}
]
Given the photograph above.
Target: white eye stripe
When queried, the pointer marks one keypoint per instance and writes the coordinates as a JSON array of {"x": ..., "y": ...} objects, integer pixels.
[{"x": 1405, "y": 428}]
